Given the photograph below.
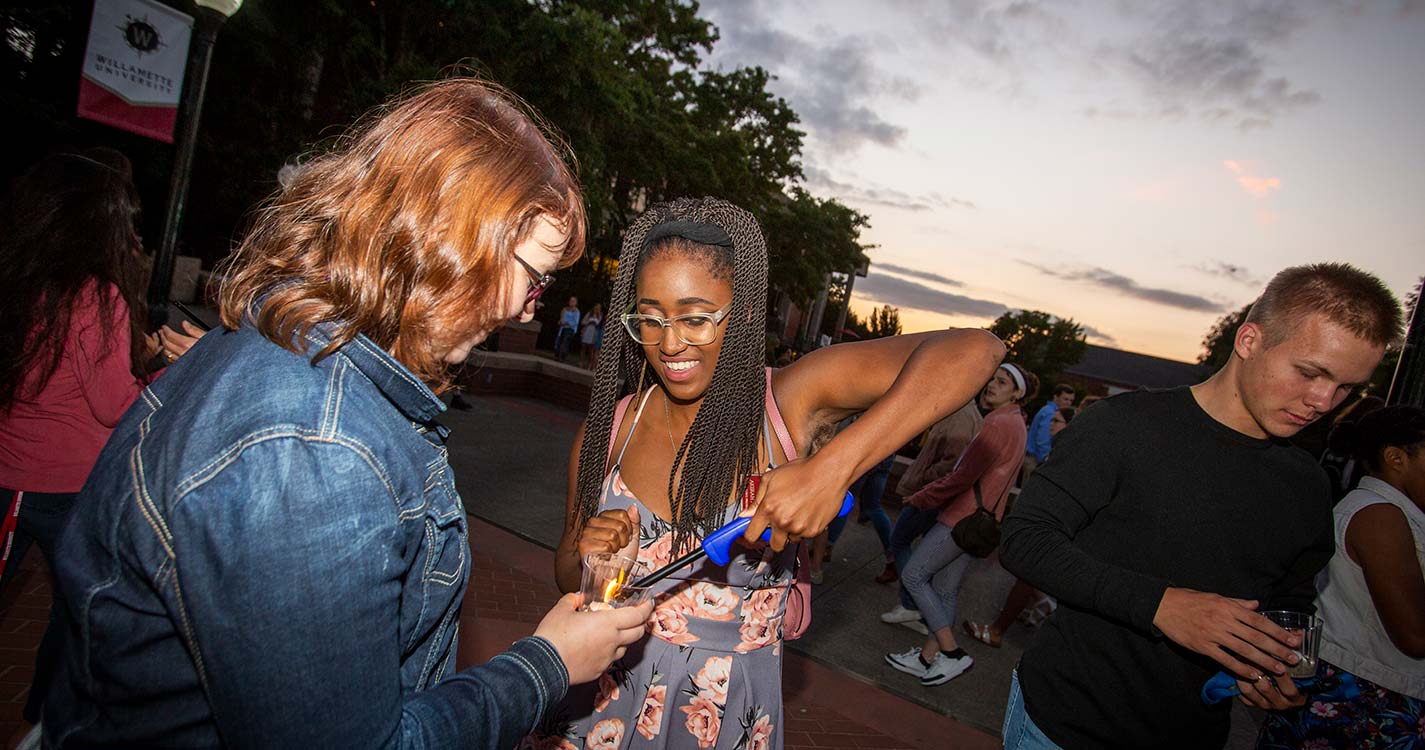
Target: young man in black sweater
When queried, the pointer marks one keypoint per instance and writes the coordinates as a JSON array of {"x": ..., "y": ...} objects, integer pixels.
[{"x": 1164, "y": 520}]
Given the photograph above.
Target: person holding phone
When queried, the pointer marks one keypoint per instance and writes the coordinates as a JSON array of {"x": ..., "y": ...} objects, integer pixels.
[{"x": 271, "y": 551}]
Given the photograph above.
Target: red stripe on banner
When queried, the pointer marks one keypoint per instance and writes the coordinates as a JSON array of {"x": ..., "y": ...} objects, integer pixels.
[{"x": 97, "y": 103}]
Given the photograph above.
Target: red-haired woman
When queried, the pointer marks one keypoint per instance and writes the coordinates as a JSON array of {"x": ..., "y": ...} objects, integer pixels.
[{"x": 270, "y": 551}]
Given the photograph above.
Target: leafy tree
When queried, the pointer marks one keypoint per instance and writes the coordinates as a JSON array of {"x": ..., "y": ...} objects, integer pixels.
[
  {"x": 622, "y": 81},
  {"x": 1040, "y": 342},
  {"x": 885, "y": 321},
  {"x": 1217, "y": 344}
]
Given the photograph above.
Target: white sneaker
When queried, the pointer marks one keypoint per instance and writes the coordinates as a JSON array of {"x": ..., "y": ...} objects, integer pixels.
[
  {"x": 916, "y": 625},
  {"x": 944, "y": 669},
  {"x": 900, "y": 614},
  {"x": 908, "y": 661}
]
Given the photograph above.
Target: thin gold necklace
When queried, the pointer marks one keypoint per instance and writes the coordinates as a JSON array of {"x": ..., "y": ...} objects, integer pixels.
[{"x": 668, "y": 426}]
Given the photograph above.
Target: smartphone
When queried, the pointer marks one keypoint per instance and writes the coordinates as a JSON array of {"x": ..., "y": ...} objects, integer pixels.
[{"x": 188, "y": 313}]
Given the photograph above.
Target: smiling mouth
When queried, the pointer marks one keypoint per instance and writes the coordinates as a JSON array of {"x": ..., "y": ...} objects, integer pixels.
[{"x": 681, "y": 366}]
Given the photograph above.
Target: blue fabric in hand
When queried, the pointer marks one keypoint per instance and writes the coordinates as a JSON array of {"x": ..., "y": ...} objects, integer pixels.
[{"x": 1223, "y": 686}]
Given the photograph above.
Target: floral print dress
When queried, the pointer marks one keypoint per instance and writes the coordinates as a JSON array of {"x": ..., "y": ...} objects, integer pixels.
[{"x": 710, "y": 673}]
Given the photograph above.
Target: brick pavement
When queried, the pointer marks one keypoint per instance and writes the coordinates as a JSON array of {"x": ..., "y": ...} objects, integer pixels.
[{"x": 510, "y": 590}]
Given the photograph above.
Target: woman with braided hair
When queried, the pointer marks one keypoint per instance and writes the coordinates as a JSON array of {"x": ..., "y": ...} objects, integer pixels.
[{"x": 683, "y": 417}]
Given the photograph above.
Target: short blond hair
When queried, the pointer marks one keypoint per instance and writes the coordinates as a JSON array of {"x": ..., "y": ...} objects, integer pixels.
[{"x": 1346, "y": 295}]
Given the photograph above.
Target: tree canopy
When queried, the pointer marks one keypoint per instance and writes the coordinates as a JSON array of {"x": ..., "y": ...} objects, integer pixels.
[
  {"x": 623, "y": 81},
  {"x": 1041, "y": 343}
]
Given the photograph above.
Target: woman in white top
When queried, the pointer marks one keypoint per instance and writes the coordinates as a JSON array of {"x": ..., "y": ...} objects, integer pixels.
[{"x": 1371, "y": 598}]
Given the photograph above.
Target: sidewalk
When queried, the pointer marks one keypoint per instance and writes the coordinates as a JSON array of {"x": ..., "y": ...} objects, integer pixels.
[{"x": 825, "y": 708}]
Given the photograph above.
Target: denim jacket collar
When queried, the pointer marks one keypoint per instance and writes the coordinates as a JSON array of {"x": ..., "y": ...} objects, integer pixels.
[{"x": 415, "y": 400}]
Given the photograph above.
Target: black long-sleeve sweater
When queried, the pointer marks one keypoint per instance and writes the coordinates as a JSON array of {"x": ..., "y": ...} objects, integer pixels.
[{"x": 1145, "y": 491}]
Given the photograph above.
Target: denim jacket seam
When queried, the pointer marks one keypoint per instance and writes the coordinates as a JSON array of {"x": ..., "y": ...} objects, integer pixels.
[
  {"x": 429, "y": 665},
  {"x": 331, "y": 408},
  {"x": 229, "y": 455},
  {"x": 529, "y": 669},
  {"x": 147, "y": 507},
  {"x": 188, "y": 633},
  {"x": 548, "y": 648}
]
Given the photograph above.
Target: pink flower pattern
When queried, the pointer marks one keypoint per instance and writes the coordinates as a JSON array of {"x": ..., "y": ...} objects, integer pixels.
[
  {"x": 650, "y": 717},
  {"x": 766, "y": 603},
  {"x": 713, "y": 602},
  {"x": 669, "y": 623},
  {"x": 759, "y": 736},
  {"x": 712, "y": 680},
  {"x": 606, "y": 735},
  {"x": 689, "y": 609},
  {"x": 756, "y": 632},
  {"x": 608, "y": 691},
  {"x": 703, "y": 721}
]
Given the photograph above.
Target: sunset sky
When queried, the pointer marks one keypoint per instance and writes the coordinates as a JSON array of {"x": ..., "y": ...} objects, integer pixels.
[{"x": 1141, "y": 167}]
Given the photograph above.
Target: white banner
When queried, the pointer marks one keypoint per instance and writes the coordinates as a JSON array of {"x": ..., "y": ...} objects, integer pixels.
[{"x": 133, "y": 66}]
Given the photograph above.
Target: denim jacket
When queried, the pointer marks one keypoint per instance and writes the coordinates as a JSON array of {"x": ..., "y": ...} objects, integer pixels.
[{"x": 271, "y": 553}]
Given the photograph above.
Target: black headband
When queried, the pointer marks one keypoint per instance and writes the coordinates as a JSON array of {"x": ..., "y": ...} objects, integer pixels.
[{"x": 706, "y": 234}]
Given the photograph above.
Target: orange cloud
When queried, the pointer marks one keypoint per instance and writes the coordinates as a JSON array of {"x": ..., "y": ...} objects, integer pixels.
[{"x": 1258, "y": 187}]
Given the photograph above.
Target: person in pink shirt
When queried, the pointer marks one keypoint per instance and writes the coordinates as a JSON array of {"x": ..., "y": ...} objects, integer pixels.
[
  {"x": 983, "y": 476},
  {"x": 72, "y": 349}
]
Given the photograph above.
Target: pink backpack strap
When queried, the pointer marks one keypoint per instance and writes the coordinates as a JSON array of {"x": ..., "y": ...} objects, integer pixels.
[
  {"x": 618, "y": 420},
  {"x": 779, "y": 427}
]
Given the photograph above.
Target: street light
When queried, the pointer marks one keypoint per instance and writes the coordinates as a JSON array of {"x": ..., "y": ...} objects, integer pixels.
[{"x": 210, "y": 17}]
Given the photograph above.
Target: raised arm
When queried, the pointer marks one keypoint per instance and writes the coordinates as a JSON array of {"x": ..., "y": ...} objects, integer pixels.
[{"x": 904, "y": 384}]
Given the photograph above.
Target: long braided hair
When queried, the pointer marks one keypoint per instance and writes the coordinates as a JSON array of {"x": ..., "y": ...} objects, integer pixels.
[{"x": 719, "y": 453}]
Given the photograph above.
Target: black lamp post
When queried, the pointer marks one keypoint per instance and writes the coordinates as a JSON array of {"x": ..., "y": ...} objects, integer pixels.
[{"x": 210, "y": 17}]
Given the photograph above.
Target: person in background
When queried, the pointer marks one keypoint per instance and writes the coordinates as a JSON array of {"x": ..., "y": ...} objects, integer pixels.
[
  {"x": 1371, "y": 599},
  {"x": 1338, "y": 460},
  {"x": 1164, "y": 520},
  {"x": 944, "y": 442},
  {"x": 867, "y": 489},
  {"x": 1037, "y": 447},
  {"x": 591, "y": 334},
  {"x": 270, "y": 550},
  {"x": 73, "y": 354},
  {"x": 568, "y": 327},
  {"x": 982, "y": 478},
  {"x": 1017, "y": 604}
]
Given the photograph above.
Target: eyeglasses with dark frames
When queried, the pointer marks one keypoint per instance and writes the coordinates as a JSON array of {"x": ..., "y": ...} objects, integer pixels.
[{"x": 538, "y": 282}]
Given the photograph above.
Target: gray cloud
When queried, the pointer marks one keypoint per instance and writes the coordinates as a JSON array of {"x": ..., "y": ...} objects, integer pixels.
[
  {"x": 904, "y": 293},
  {"x": 926, "y": 275},
  {"x": 1098, "y": 336},
  {"x": 879, "y": 196},
  {"x": 1211, "y": 59},
  {"x": 1230, "y": 271},
  {"x": 1109, "y": 280},
  {"x": 831, "y": 84}
]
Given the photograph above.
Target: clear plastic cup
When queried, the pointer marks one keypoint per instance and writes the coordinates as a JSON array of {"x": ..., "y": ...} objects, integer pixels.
[
  {"x": 608, "y": 582},
  {"x": 1309, "y": 628}
]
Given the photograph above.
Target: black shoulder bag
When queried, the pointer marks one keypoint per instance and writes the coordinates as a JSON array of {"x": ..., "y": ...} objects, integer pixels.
[{"x": 977, "y": 533}]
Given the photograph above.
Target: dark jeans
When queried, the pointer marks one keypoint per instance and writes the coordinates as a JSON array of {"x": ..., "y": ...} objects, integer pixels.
[
  {"x": 910, "y": 524},
  {"x": 42, "y": 517},
  {"x": 867, "y": 491},
  {"x": 562, "y": 341}
]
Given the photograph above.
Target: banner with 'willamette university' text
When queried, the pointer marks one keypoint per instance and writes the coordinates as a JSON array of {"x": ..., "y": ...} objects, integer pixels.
[{"x": 133, "y": 66}]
